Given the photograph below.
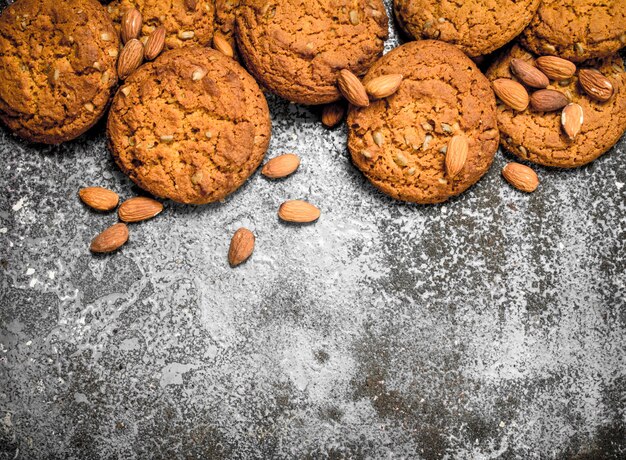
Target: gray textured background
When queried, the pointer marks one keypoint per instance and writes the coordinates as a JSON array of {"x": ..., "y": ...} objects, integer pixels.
[{"x": 489, "y": 327}]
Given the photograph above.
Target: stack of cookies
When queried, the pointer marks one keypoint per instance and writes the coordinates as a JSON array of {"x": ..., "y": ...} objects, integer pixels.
[{"x": 182, "y": 84}]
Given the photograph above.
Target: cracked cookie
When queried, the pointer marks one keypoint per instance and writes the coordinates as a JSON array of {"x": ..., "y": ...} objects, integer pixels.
[
  {"x": 538, "y": 137},
  {"x": 296, "y": 48},
  {"x": 401, "y": 143},
  {"x": 577, "y": 29},
  {"x": 478, "y": 27},
  {"x": 57, "y": 67},
  {"x": 187, "y": 22},
  {"x": 191, "y": 126}
]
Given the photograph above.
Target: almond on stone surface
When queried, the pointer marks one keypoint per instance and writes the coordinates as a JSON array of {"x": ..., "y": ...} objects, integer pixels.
[
  {"x": 99, "y": 198},
  {"x": 298, "y": 211},
  {"x": 521, "y": 177},
  {"x": 281, "y": 166},
  {"x": 138, "y": 209},
  {"x": 512, "y": 93},
  {"x": 110, "y": 239},
  {"x": 352, "y": 89},
  {"x": 332, "y": 114},
  {"x": 241, "y": 247}
]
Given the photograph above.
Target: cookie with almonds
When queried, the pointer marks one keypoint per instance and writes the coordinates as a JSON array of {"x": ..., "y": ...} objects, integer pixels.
[
  {"x": 433, "y": 138},
  {"x": 546, "y": 137}
]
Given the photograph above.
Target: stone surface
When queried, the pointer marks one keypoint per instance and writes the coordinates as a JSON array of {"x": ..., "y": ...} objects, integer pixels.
[{"x": 489, "y": 327}]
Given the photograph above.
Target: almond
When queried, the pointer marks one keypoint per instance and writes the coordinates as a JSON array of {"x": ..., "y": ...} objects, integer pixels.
[
  {"x": 99, "y": 198},
  {"x": 191, "y": 4},
  {"x": 281, "y": 166},
  {"x": 139, "y": 208},
  {"x": 383, "y": 86},
  {"x": 511, "y": 93},
  {"x": 548, "y": 100},
  {"x": 456, "y": 155},
  {"x": 529, "y": 74},
  {"x": 521, "y": 177},
  {"x": 241, "y": 247},
  {"x": 298, "y": 211},
  {"x": 596, "y": 85},
  {"x": 110, "y": 239},
  {"x": 556, "y": 68},
  {"x": 572, "y": 119},
  {"x": 130, "y": 58},
  {"x": 352, "y": 89},
  {"x": 131, "y": 24},
  {"x": 222, "y": 45},
  {"x": 154, "y": 44},
  {"x": 332, "y": 114}
]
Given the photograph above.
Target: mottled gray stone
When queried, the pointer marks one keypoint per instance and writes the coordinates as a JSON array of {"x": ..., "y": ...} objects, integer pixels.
[{"x": 489, "y": 327}]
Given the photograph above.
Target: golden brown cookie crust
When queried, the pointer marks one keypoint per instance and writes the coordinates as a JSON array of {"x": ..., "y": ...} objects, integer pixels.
[
  {"x": 577, "y": 30},
  {"x": 296, "y": 48},
  {"x": 187, "y": 22},
  {"x": 399, "y": 142},
  {"x": 478, "y": 27},
  {"x": 539, "y": 138},
  {"x": 57, "y": 67},
  {"x": 191, "y": 126}
]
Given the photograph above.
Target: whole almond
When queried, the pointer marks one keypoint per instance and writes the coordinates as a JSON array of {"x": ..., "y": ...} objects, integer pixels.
[
  {"x": 130, "y": 58},
  {"x": 110, "y": 239},
  {"x": 572, "y": 119},
  {"x": 298, "y": 211},
  {"x": 548, "y": 100},
  {"x": 222, "y": 45},
  {"x": 521, "y": 177},
  {"x": 556, "y": 68},
  {"x": 352, "y": 89},
  {"x": 456, "y": 155},
  {"x": 281, "y": 166},
  {"x": 191, "y": 4},
  {"x": 529, "y": 74},
  {"x": 99, "y": 198},
  {"x": 596, "y": 85},
  {"x": 139, "y": 208},
  {"x": 154, "y": 44},
  {"x": 332, "y": 114},
  {"x": 512, "y": 93},
  {"x": 383, "y": 86},
  {"x": 131, "y": 24},
  {"x": 241, "y": 247}
]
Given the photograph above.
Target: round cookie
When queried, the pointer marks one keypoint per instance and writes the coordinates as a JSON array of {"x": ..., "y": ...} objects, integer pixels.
[
  {"x": 478, "y": 27},
  {"x": 187, "y": 22},
  {"x": 577, "y": 29},
  {"x": 539, "y": 138},
  {"x": 191, "y": 126},
  {"x": 400, "y": 142},
  {"x": 57, "y": 67},
  {"x": 296, "y": 48}
]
